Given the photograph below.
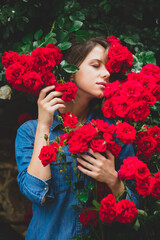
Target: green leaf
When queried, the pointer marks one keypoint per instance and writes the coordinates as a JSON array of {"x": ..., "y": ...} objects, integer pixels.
[
  {"x": 91, "y": 186},
  {"x": 129, "y": 41},
  {"x": 96, "y": 204},
  {"x": 82, "y": 35},
  {"x": 25, "y": 19},
  {"x": 142, "y": 212},
  {"x": 64, "y": 45},
  {"x": 83, "y": 197},
  {"x": 51, "y": 40},
  {"x": 38, "y": 34},
  {"x": 62, "y": 36},
  {"x": 50, "y": 35},
  {"x": 61, "y": 22},
  {"x": 77, "y": 16},
  {"x": 69, "y": 68},
  {"x": 76, "y": 26},
  {"x": 136, "y": 225}
]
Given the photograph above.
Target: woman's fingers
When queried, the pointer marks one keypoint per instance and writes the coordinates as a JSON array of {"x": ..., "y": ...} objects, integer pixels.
[
  {"x": 44, "y": 91},
  {"x": 86, "y": 164},
  {"x": 55, "y": 100},
  {"x": 52, "y": 95}
]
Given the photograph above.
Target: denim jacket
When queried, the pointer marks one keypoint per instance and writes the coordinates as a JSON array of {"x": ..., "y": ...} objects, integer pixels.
[{"x": 56, "y": 219}]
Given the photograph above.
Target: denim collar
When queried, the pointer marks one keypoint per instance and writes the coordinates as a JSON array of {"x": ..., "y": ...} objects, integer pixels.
[{"x": 57, "y": 122}]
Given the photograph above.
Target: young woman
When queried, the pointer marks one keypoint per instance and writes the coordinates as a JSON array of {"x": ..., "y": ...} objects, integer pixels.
[{"x": 53, "y": 215}]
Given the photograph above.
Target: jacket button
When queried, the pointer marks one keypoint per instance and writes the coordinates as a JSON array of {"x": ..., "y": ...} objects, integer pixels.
[{"x": 45, "y": 188}]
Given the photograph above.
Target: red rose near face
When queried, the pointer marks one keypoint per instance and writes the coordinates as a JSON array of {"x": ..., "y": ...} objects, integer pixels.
[{"x": 69, "y": 120}]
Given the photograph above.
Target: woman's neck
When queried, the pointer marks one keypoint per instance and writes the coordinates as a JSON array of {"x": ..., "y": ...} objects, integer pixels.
[{"x": 79, "y": 107}]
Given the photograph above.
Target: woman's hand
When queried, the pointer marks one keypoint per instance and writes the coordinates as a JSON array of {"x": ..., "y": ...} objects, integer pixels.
[
  {"x": 102, "y": 169},
  {"x": 48, "y": 104}
]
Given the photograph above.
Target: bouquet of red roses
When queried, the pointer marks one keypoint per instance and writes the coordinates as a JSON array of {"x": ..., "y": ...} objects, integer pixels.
[{"x": 30, "y": 73}]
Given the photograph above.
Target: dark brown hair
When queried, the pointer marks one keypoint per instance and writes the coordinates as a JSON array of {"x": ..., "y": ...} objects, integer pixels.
[{"x": 79, "y": 51}]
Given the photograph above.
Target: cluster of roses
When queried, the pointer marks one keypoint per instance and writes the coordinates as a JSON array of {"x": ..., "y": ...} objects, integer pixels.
[
  {"x": 97, "y": 135},
  {"x": 133, "y": 168},
  {"x": 119, "y": 57},
  {"x": 124, "y": 211},
  {"x": 29, "y": 73},
  {"x": 132, "y": 99},
  {"x": 148, "y": 143}
]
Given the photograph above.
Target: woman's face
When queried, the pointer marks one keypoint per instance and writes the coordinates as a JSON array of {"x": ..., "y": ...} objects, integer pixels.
[{"x": 93, "y": 76}]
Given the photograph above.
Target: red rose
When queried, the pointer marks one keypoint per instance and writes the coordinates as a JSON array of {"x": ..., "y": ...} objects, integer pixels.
[
  {"x": 126, "y": 133},
  {"x": 9, "y": 58},
  {"x": 69, "y": 120},
  {"x": 126, "y": 211},
  {"x": 119, "y": 59},
  {"x": 14, "y": 73},
  {"x": 43, "y": 59},
  {"x": 113, "y": 39},
  {"x": 121, "y": 106},
  {"x": 155, "y": 90},
  {"x": 87, "y": 132},
  {"x": 154, "y": 132},
  {"x": 69, "y": 89},
  {"x": 48, "y": 78},
  {"x": 142, "y": 171},
  {"x": 32, "y": 82},
  {"x": 133, "y": 76},
  {"x": 55, "y": 52},
  {"x": 108, "y": 209},
  {"x": 88, "y": 216},
  {"x": 151, "y": 70},
  {"x": 63, "y": 139},
  {"x": 155, "y": 189},
  {"x": 148, "y": 98},
  {"x": 128, "y": 168},
  {"x": 98, "y": 145},
  {"x": 114, "y": 148},
  {"x": 107, "y": 109},
  {"x": 100, "y": 124},
  {"x": 146, "y": 145},
  {"x": 77, "y": 144},
  {"x": 143, "y": 186},
  {"x": 48, "y": 153},
  {"x": 132, "y": 89},
  {"x": 23, "y": 117},
  {"x": 138, "y": 111},
  {"x": 112, "y": 89}
]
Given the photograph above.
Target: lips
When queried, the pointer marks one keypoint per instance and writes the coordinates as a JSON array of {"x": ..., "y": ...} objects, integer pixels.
[{"x": 103, "y": 84}]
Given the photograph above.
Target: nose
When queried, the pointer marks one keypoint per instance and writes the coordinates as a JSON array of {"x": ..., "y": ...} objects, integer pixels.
[{"x": 105, "y": 74}]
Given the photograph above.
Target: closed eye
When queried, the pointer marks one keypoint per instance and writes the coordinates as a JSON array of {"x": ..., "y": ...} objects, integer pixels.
[{"x": 95, "y": 66}]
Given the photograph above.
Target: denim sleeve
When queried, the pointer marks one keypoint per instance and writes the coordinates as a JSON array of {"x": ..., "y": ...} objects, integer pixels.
[
  {"x": 32, "y": 187},
  {"x": 127, "y": 150}
]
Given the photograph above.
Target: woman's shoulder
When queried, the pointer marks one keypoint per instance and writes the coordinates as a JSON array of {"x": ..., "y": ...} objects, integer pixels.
[{"x": 28, "y": 126}]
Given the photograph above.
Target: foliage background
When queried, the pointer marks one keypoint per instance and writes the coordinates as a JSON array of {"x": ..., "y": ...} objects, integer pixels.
[{"x": 24, "y": 24}]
